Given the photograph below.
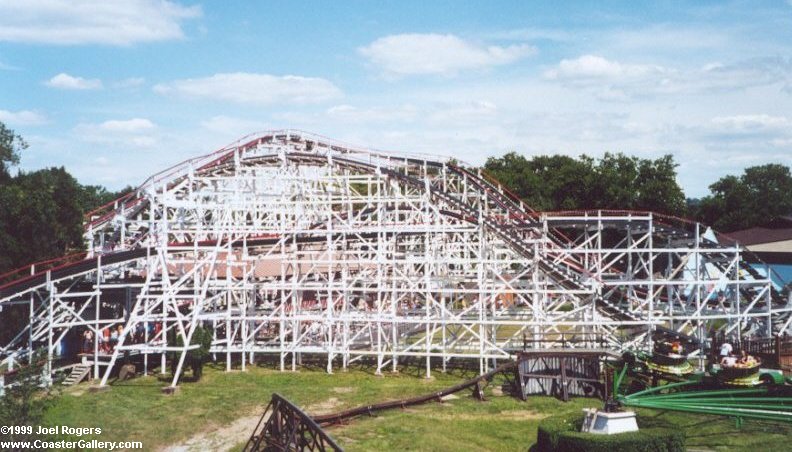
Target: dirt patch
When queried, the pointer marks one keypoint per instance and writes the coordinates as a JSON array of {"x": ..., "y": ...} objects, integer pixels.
[
  {"x": 504, "y": 415},
  {"x": 326, "y": 407},
  {"x": 344, "y": 390},
  {"x": 224, "y": 438},
  {"x": 411, "y": 410},
  {"x": 76, "y": 391},
  {"x": 522, "y": 415}
]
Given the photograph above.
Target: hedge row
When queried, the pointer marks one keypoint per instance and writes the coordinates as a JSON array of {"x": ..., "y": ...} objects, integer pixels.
[{"x": 562, "y": 434}]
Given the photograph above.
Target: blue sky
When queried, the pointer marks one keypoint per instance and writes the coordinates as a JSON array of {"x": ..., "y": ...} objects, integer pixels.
[{"x": 116, "y": 91}]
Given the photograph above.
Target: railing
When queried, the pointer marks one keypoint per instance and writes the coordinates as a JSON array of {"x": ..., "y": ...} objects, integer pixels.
[
  {"x": 284, "y": 427},
  {"x": 565, "y": 340},
  {"x": 761, "y": 346},
  {"x": 39, "y": 267},
  {"x": 108, "y": 211},
  {"x": 107, "y": 207},
  {"x": 774, "y": 349}
]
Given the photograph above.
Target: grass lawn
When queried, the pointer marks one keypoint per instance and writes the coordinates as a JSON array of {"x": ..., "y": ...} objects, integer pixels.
[{"x": 136, "y": 410}]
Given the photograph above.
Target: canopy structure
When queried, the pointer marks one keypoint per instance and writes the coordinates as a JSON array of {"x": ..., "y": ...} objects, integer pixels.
[{"x": 287, "y": 244}]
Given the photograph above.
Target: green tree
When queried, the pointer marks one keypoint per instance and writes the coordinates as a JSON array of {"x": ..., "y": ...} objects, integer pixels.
[
  {"x": 641, "y": 184},
  {"x": 93, "y": 196},
  {"x": 617, "y": 177},
  {"x": 759, "y": 195},
  {"x": 40, "y": 217},
  {"x": 11, "y": 145},
  {"x": 615, "y": 181},
  {"x": 657, "y": 187},
  {"x": 41, "y": 212}
]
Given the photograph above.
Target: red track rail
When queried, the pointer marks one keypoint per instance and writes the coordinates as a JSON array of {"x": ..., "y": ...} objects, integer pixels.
[{"x": 35, "y": 269}]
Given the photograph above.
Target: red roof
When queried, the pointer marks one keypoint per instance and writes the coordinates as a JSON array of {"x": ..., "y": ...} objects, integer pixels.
[{"x": 755, "y": 236}]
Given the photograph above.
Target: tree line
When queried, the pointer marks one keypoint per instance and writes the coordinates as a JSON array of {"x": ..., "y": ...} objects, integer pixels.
[
  {"x": 41, "y": 212},
  {"x": 617, "y": 181}
]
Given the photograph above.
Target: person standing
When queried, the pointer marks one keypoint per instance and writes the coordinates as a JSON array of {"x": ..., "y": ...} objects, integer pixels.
[
  {"x": 87, "y": 340},
  {"x": 726, "y": 350}
]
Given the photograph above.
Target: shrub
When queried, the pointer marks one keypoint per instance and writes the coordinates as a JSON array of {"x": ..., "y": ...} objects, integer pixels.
[
  {"x": 195, "y": 357},
  {"x": 26, "y": 401},
  {"x": 562, "y": 434}
]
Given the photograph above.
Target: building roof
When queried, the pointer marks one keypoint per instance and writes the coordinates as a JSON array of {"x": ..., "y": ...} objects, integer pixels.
[{"x": 757, "y": 235}]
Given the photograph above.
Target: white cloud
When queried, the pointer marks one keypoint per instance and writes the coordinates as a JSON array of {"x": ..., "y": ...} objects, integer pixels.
[
  {"x": 668, "y": 38},
  {"x": 445, "y": 114},
  {"x": 127, "y": 126},
  {"x": 138, "y": 132},
  {"x": 412, "y": 54},
  {"x": 752, "y": 123},
  {"x": 748, "y": 134},
  {"x": 232, "y": 127},
  {"x": 252, "y": 88},
  {"x": 66, "y": 22},
  {"x": 710, "y": 148},
  {"x": 403, "y": 113},
  {"x": 8, "y": 67},
  {"x": 596, "y": 67},
  {"x": 22, "y": 118},
  {"x": 534, "y": 34},
  {"x": 741, "y": 74},
  {"x": 66, "y": 81},
  {"x": 130, "y": 82},
  {"x": 464, "y": 112},
  {"x": 612, "y": 80}
]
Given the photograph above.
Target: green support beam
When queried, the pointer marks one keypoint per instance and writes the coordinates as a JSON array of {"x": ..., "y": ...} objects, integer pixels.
[{"x": 742, "y": 403}]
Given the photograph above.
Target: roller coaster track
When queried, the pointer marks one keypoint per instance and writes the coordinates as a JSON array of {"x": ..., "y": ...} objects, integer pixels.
[
  {"x": 556, "y": 266},
  {"x": 463, "y": 211}
]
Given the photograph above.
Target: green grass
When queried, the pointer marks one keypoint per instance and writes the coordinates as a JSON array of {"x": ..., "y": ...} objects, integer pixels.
[
  {"x": 507, "y": 424},
  {"x": 500, "y": 423},
  {"x": 137, "y": 410}
]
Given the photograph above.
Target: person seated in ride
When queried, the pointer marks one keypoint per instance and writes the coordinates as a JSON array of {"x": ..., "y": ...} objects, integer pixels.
[
  {"x": 746, "y": 360},
  {"x": 728, "y": 361},
  {"x": 140, "y": 333},
  {"x": 113, "y": 338},
  {"x": 106, "y": 339}
]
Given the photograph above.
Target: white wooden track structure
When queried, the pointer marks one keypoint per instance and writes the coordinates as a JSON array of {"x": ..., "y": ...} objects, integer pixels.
[{"x": 289, "y": 244}]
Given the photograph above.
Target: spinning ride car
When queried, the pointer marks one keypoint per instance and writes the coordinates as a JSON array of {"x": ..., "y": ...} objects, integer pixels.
[
  {"x": 669, "y": 357},
  {"x": 742, "y": 372}
]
